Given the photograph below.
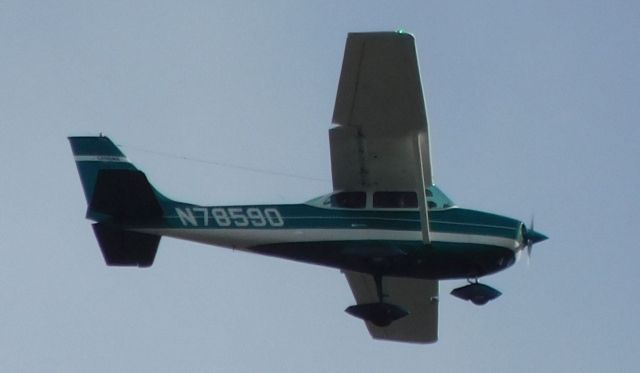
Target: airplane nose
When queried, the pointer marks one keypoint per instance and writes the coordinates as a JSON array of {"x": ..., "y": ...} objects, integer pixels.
[
  {"x": 530, "y": 237},
  {"x": 534, "y": 237}
]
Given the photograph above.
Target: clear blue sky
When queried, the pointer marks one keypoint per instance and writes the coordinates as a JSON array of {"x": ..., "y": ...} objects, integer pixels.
[{"x": 534, "y": 109}]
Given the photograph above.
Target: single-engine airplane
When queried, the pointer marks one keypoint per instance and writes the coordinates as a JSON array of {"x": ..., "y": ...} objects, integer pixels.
[{"x": 386, "y": 226}]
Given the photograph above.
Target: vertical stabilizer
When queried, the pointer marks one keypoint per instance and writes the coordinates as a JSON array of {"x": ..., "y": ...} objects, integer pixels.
[
  {"x": 118, "y": 197},
  {"x": 93, "y": 154}
]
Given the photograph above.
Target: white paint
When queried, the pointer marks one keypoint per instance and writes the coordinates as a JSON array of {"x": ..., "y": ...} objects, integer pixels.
[
  {"x": 100, "y": 158},
  {"x": 245, "y": 238}
]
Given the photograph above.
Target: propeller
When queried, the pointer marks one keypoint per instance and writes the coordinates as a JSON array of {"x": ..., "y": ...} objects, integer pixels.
[
  {"x": 529, "y": 240},
  {"x": 531, "y": 237}
]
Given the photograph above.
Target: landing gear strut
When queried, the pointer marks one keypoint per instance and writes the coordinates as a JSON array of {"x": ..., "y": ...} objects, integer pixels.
[
  {"x": 478, "y": 294},
  {"x": 380, "y": 313}
]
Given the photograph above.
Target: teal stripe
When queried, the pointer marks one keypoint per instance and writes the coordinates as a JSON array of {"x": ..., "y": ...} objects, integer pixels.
[{"x": 455, "y": 220}]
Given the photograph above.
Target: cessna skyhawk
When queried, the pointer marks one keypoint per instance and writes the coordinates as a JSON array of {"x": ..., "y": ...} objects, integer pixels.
[{"x": 386, "y": 226}]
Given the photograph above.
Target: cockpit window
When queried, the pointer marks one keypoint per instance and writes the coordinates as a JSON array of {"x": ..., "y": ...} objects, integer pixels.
[
  {"x": 436, "y": 199},
  {"x": 396, "y": 200},
  {"x": 349, "y": 200}
]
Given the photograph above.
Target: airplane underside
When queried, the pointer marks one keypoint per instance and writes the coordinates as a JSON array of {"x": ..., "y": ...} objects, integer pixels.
[
  {"x": 412, "y": 258},
  {"x": 378, "y": 258},
  {"x": 438, "y": 261}
]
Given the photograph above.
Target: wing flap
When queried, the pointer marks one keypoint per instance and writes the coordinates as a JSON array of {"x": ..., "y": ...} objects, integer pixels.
[{"x": 359, "y": 162}]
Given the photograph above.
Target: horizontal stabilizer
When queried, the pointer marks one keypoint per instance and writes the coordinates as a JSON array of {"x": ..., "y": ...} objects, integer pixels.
[{"x": 126, "y": 248}]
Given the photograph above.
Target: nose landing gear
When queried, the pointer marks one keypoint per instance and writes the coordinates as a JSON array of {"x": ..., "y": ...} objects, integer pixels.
[{"x": 478, "y": 294}]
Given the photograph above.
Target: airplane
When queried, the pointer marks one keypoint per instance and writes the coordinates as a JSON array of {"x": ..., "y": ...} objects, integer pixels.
[{"x": 386, "y": 225}]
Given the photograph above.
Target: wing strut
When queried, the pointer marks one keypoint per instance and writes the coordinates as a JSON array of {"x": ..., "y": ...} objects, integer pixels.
[{"x": 421, "y": 155}]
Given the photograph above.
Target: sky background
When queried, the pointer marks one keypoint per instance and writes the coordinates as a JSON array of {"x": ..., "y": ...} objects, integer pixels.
[{"x": 533, "y": 109}]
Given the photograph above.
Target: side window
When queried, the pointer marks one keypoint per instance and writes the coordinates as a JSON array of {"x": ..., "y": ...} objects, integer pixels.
[
  {"x": 349, "y": 200},
  {"x": 396, "y": 200}
]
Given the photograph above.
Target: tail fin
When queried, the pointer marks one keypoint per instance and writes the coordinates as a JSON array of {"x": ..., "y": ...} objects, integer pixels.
[
  {"x": 93, "y": 154},
  {"x": 117, "y": 194}
]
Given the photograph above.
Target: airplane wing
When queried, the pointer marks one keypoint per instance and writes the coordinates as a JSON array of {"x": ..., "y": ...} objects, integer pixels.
[
  {"x": 381, "y": 140},
  {"x": 418, "y": 297}
]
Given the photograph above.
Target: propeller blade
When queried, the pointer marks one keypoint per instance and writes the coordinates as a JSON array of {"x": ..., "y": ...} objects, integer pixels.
[{"x": 532, "y": 237}]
